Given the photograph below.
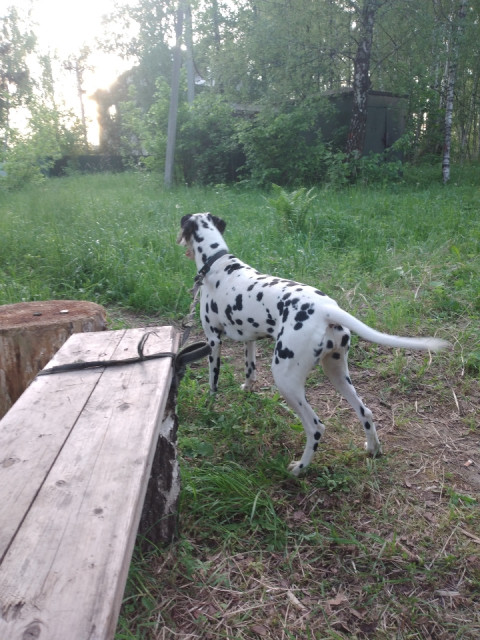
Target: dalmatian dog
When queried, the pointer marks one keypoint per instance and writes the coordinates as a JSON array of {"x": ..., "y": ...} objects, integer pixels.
[{"x": 307, "y": 326}]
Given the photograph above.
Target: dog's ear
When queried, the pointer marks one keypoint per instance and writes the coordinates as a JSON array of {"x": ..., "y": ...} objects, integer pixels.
[
  {"x": 219, "y": 223},
  {"x": 185, "y": 219},
  {"x": 188, "y": 225}
]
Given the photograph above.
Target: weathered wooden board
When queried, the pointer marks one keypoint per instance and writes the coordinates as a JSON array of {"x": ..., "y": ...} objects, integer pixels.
[{"x": 65, "y": 557}]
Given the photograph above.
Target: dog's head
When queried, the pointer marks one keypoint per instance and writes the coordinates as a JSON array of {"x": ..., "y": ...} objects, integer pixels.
[{"x": 192, "y": 227}]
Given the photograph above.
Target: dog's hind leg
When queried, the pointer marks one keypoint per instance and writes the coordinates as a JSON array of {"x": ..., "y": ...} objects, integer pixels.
[
  {"x": 291, "y": 385},
  {"x": 250, "y": 365},
  {"x": 336, "y": 368}
]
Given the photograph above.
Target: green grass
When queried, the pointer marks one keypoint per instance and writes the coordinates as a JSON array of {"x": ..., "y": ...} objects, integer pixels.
[{"x": 356, "y": 548}]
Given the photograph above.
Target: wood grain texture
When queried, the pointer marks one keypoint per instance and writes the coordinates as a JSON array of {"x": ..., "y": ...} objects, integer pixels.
[{"x": 93, "y": 434}]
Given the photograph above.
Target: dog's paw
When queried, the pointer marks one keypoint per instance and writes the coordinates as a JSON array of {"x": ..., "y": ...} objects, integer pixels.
[
  {"x": 296, "y": 468},
  {"x": 247, "y": 386},
  {"x": 374, "y": 452}
]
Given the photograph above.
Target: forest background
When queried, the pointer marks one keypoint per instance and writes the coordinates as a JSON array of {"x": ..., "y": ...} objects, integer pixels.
[{"x": 199, "y": 64}]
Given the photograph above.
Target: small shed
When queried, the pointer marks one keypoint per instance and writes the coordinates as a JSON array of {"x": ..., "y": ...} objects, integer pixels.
[{"x": 386, "y": 115}]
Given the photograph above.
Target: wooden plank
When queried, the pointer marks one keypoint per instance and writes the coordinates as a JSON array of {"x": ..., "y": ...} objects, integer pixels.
[
  {"x": 64, "y": 574},
  {"x": 30, "y": 439}
]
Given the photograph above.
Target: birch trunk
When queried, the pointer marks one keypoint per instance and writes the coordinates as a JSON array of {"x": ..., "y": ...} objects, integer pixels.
[
  {"x": 452, "y": 75},
  {"x": 173, "y": 110},
  {"x": 361, "y": 79}
]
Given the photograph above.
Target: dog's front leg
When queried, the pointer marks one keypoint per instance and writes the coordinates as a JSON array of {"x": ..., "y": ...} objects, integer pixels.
[
  {"x": 250, "y": 365},
  {"x": 215, "y": 343}
]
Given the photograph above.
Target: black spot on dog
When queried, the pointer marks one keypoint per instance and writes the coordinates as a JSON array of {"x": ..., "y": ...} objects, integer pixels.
[
  {"x": 338, "y": 327},
  {"x": 228, "y": 313},
  {"x": 230, "y": 268},
  {"x": 238, "y": 303},
  {"x": 214, "y": 245},
  {"x": 317, "y": 435},
  {"x": 287, "y": 295},
  {"x": 367, "y": 425},
  {"x": 238, "y": 321},
  {"x": 214, "y": 306},
  {"x": 329, "y": 344},
  {"x": 207, "y": 319},
  {"x": 198, "y": 237},
  {"x": 259, "y": 296},
  {"x": 318, "y": 292},
  {"x": 217, "y": 284},
  {"x": 362, "y": 410},
  {"x": 347, "y": 378},
  {"x": 336, "y": 356},
  {"x": 315, "y": 446},
  {"x": 345, "y": 340},
  {"x": 301, "y": 316},
  {"x": 283, "y": 352},
  {"x": 250, "y": 287},
  {"x": 285, "y": 315}
]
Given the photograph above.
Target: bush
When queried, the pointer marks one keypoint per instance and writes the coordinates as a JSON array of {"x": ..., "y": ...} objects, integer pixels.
[
  {"x": 208, "y": 148},
  {"x": 281, "y": 148}
]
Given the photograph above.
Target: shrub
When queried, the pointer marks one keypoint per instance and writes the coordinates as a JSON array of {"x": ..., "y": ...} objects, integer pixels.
[{"x": 208, "y": 148}]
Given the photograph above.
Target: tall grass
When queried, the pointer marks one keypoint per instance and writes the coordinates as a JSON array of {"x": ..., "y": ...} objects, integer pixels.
[{"x": 111, "y": 238}]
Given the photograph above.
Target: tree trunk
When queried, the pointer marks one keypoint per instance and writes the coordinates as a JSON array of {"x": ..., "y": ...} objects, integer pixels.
[
  {"x": 189, "y": 55},
  {"x": 361, "y": 79},
  {"x": 452, "y": 75},
  {"x": 175, "y": 89}
]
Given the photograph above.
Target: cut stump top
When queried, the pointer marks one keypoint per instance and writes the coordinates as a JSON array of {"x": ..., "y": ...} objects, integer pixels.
[{"x": 46, "y": 312}]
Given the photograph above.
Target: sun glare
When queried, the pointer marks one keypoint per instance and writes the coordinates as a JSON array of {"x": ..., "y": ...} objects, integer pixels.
[{"x": 63, "y": 29}]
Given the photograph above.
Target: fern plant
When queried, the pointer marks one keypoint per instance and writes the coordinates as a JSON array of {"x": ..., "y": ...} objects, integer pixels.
[{"x": 293, "y": 206}]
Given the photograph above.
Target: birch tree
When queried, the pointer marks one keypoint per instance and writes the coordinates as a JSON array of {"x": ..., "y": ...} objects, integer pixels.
[
  {"x": 458, "y": 27},
  {"x": 361, "y": 77},
  {"x": 175, "y": 89}
]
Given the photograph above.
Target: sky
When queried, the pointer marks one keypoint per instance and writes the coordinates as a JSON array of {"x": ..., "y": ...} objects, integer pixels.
[{"x": 64, "y": 27}]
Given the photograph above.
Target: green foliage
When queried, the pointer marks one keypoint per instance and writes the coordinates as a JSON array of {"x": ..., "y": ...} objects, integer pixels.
[
  {"x": 279, "y": 148},
  {"x": 144, "y": 134},
  {"x": 29, "y": 156},
  {"x": 207, "y": 146},
  {"x": 16, "y": 43}
]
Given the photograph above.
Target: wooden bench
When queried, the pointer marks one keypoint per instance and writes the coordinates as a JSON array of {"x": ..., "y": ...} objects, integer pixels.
[{"x": 77, "y": 451}]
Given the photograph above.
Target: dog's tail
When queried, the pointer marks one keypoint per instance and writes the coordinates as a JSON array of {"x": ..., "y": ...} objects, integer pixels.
[{"x": 335, "y": 315}]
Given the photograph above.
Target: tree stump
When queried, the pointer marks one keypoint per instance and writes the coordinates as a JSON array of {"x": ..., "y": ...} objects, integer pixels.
[{"x": 32, "y": 332}]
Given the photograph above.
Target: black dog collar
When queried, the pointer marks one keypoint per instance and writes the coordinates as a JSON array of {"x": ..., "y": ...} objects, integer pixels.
[{"x": 208, "y": 265}]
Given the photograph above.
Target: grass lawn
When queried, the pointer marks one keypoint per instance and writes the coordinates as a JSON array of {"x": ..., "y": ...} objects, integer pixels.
[{"x": 355, "y": 548}]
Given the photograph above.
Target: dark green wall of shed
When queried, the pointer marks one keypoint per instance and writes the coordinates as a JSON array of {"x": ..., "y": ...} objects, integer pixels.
[{"x": 386, "y": 115}]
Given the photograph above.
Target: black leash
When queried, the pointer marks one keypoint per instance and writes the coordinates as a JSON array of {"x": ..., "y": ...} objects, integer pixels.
[
  {"x": 192, "y": 353},
  {"x": 189, "y": 321}
]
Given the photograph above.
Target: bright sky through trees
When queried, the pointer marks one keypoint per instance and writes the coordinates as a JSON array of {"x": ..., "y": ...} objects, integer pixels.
[{"x": 62, "y": 29}]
